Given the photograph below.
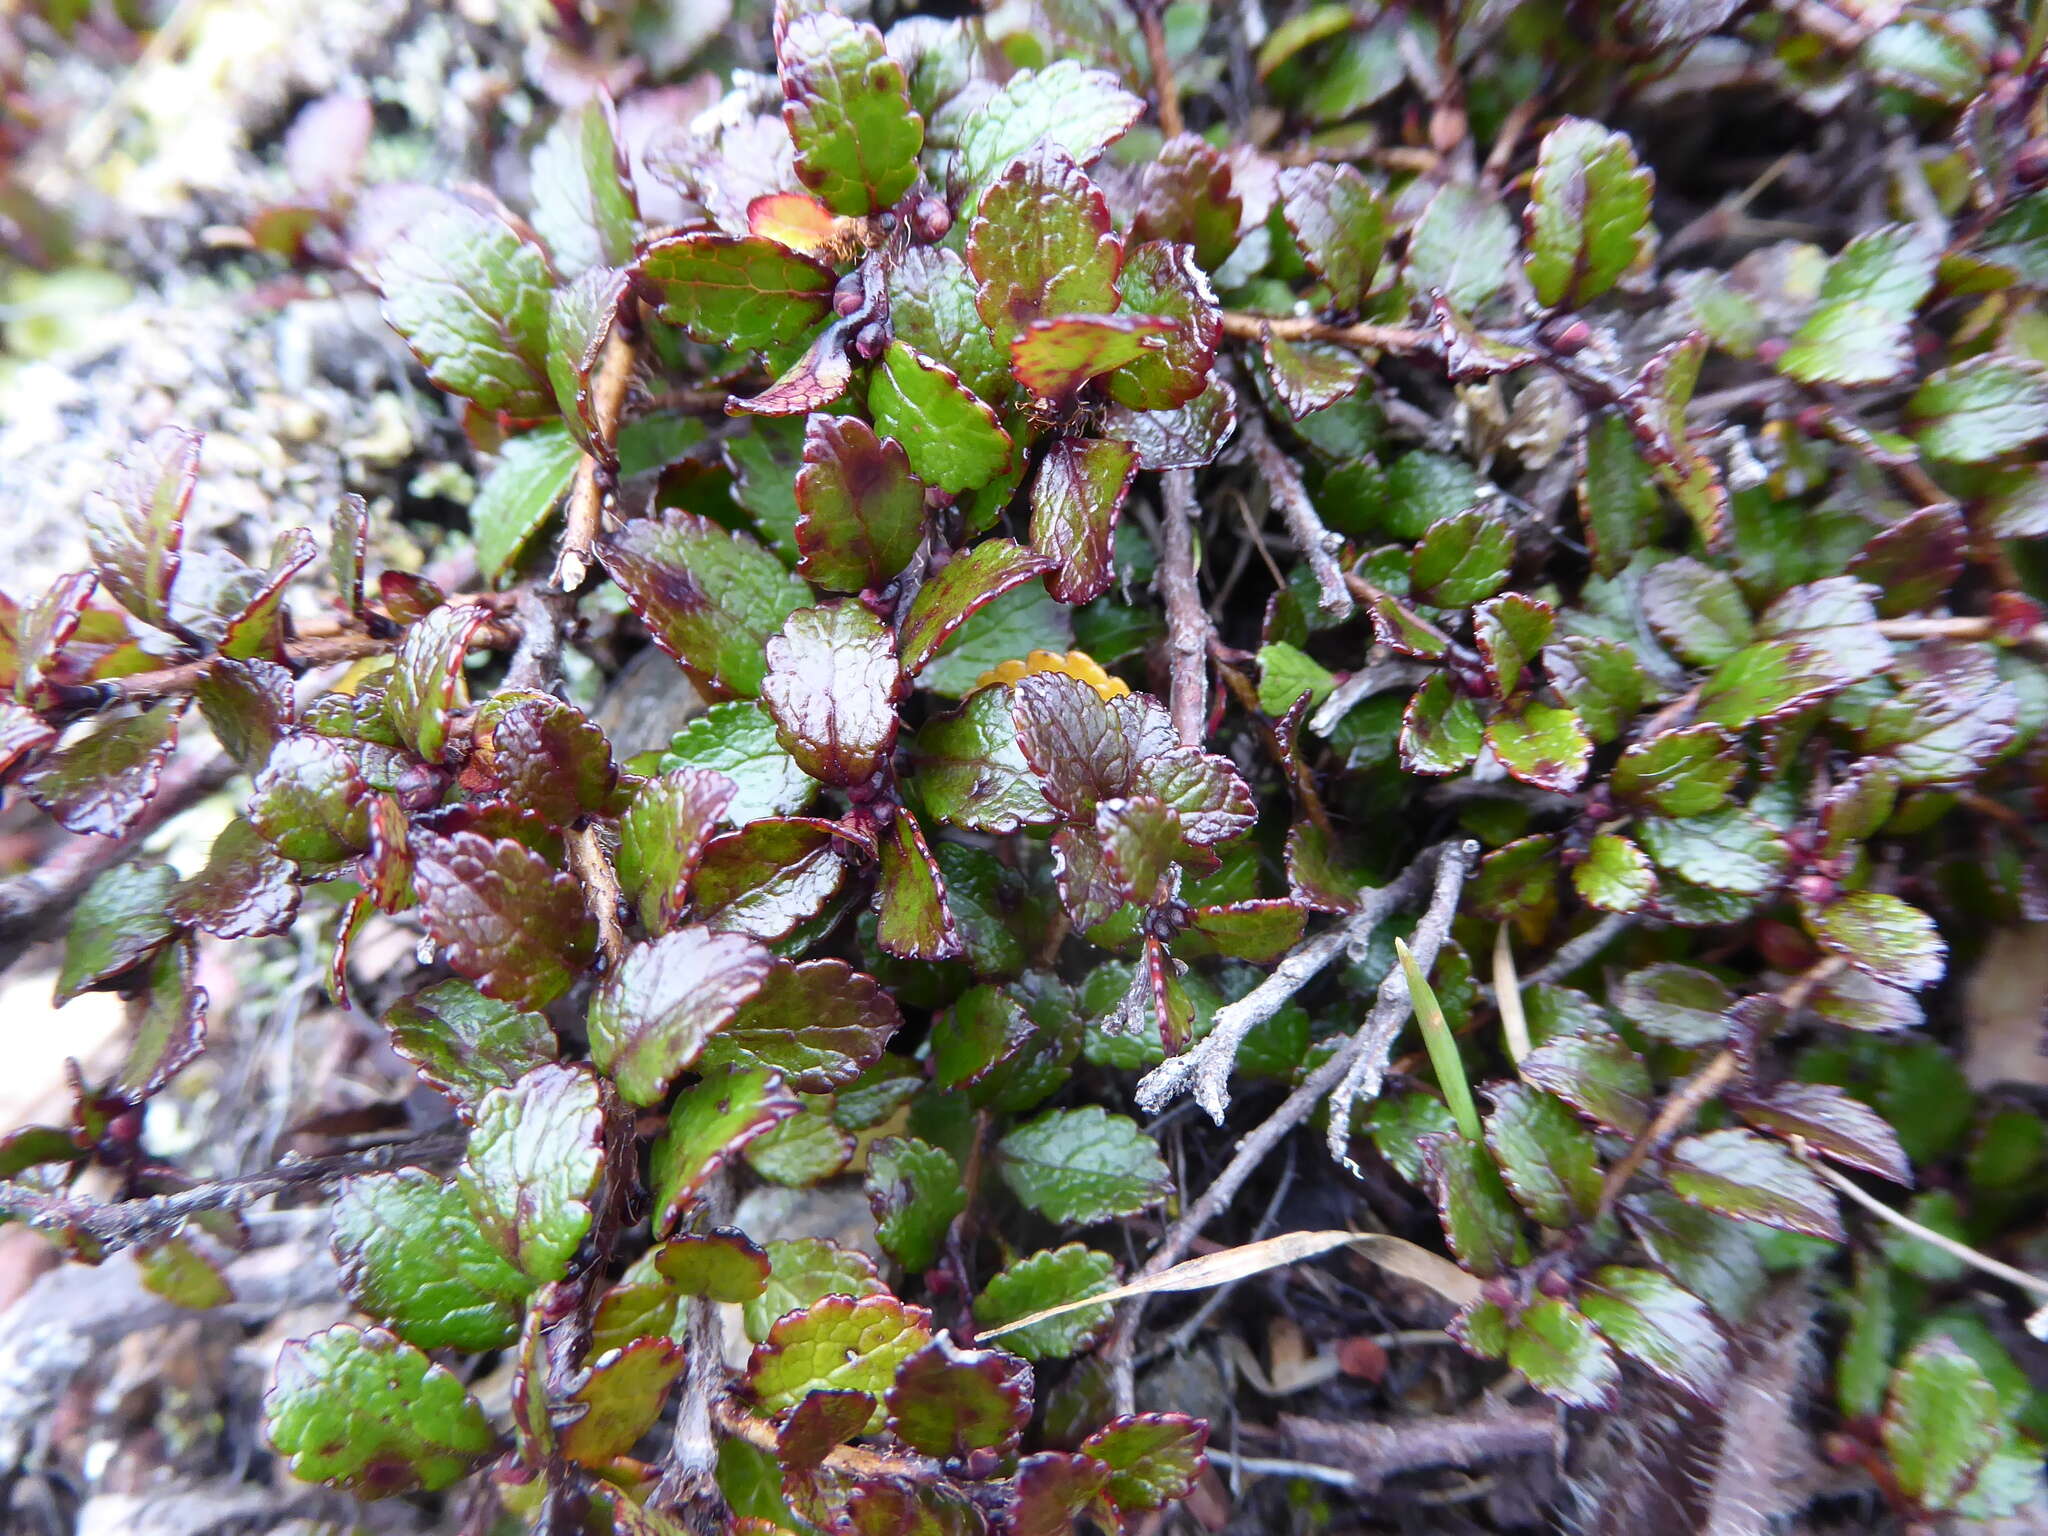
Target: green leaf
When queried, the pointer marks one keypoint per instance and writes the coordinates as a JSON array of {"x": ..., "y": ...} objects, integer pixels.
[
  {"x": 1462, "y": 559},
  {"x": 1309, "y": 375},
  {"x": 861, "y": 511},
  {"x": 805, "y": 1270},
  {"x": 1479, "y": 1219},
  {"x": 246, "y": 889},
  {"x": 310, "y": 802},
  {"x": 849, "y": 115},
  {"x": 426, "y": 684},
  {"x": 1981, "y": 408},
  {"x": 1078, "y": 1166},
  {"x": 708, "y": 597},
  {"x": 1944, "y": 724},
  {"x": 1517, "y": 882},
  {"x": 837, "y": 1344},
  {"x": 1510, "y": 631},
  {"x": 1541, "y": 744},
  {"x": 1617, "y": 498},
  {"x": 1054, "y": 357},
  {"x": 1858, "y": 332},
  {"x": 1554, "y": 1345},
  {"x": 185, "y": 1276},
  {"x": 932, "y": 309},
  {"x": 1285, "y": 674},
  {"x": 803, "y": 1150},
  {"x": 949, "y": 1402},
  {"x": 136, "y": 527},
  {"x": 1022, "y": 620},
  {"x": 1600, "y": 679},
  {"x": 1046, "y": 1279},
  {"x": 723, "y": 1264},
  {"x": 509, "y": 920},
  {"x": 1588, "y": 221},
  {"x": 1463, "y": 245},
  {"x": 464, "y": 1044},
  {"x": 1042, "y": 244},
  {"x": 359, "y": 1410},
  {"x": 1153, "y": 1458},
  {"x": 119, "y": 923},
  {"x": 1615, "y": 875},
  {"x": 583, "y": 202},
  {"x": 1685, "y": 772},
  {"x": 1440, "y": 731},
  {"x": 1740, "y": 1174},
  {"x": 1661, "y": 1324},
  {"x": 1710, "y": 1255},
  {"x": 1071, "y": 108},
  {"x": 915, "y": 1191},
  {"x": 471, "y": 298},
  {"x": 1340, "y": 223},
  {"x": 662, "y": 836},
  {"x": 710, "y": 1123},
  {"x": 948, "y": 599},
  {"x": 737, "y": 741},
  {"x": 1935, "y": 59},
  {"x": 652, "y": 1017},
  {"x": 1950, "y": 1440},
  {"x": 1597, "y": 1075},
  {"x": 831, "y": 689},
  {"x": 951, "y": 436},
  {"x": 1883, "y": 937},
  {"x": 412, "y": 1254},
  {"x": 819, "y": 1025},
  {"x": 619, "y": 1400},
  {"x": 972, "y": 774},
  {"x": 1763, "y": 682},
  {"x": 913, "y": 921},
  {"x": 533, "y": 1165},
  {"x": 532, "y": 474},
  {"x": 1728, "y": 850},
  {"x": 580, "y": 321},
  {"x": 1675, "y": 1003},
  {"x": 1546, "y": 1157},
  {"x": 1697, "y": 610},
  {"x": 739, "y": 291},
  {"x": 1656, "y": 406}
]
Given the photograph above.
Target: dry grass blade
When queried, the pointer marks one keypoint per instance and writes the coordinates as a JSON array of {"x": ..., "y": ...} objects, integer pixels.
[{"x": 1399, "y": 1255}]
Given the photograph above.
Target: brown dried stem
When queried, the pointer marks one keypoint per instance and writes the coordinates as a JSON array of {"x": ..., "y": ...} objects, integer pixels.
[
  {"x": 1405, "y": 339},
  {"x": 595, "y": 481},
  {"x": 1187, "y": 622},
  {"x": 1165, "y": 88},
  {"x": 592, "y": 867}
]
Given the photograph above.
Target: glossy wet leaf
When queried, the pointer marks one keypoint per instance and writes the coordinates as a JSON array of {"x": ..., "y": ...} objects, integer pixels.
[
  {"x": 1186, "y": 437},
  {"x": 861, "y": 510},
  {"x": 533, "y": 1166},
  {"x": 1978, "y": 409},
  {"x": 1588, "y": 222},
  {"x": 1053, "y": 357},
  {"x": 1042, "y": 245},
  {"x": 358, "y": 1409},
  {"x": 583, "y": 201},
  {"x": 426, "y": 683},
  {"x": 1833, "y": 1124},
  {"x": 1948, "y": 1439},
  {"x": 1186, "y": 195},
  {"x": 101, "y": 782},
  {"x": 464, "y": 1044},
  {"x": 738, "y": 291},
  {"x": 246, "y": 889},
  {"x": 1163, "y": 287},
  {"x": 709, "y": 598},
  {"x": 1082, "y": 1165},
  {"x": 651, "y": 1018},
  {"x": 1510, "y": 631},
  {"x": 736, "y": 740},
  {"x": 971, "y": 771},
  {"x": 1340, "y": 223},
  {"x": 581, "y": 319},
  {"x": 1440, "y": 730},
  {"x": 1076, "y": 109},
  {"x": 1541, "y": 744},
  {"x": 950, "y": 434},
  {"x": 805, "y": 1270},
  {"x": 932, "y": 309},
  {"x": 831, "y": 690},
  {"x": 1616, "y": 875},
  {"x": 1307, "y": 375},
  {"x": 837, "y": 1344},
  {"x": 1601, "y": 680},
  {"x": 508, "y": 920},
  {"x": 850, "y": 120},
  {"x": 1463, "y": 245},
  {"x": 412, "y": 1254},
  {"x": 135, "y": 528},
  {"x": 1858, "y": 331},
  {"x": 545, "y": 754},
  {"x": 470, "y": 296},
  {"x": 767, "y": 879},
  {"x": 1598, "y": 1075},
  {"x": 119, "y": 923},
  {"x": 1462, "y": 559},
  {"x": 952, "y": 596},
  {"x": 1675, "y": 1003},
  {"x": 1686, "y": 772},
  {"x": 1479, "y": 1219},
  {"x": 710, "y": 1123},
  {"x": 309, "y": 802},
  {"x": 621, "y": 1399},
  {"x": 1743, "y": 1175},
  {"x": 913, "y": 921},
  {"x": 819, "y": 1024},
  {"x": 1554, "y": 1345},
  {"x": 1883, "y": 937},
  {"x": 1546, "y": 1157},
  {"x": 662, "y": 836},
  {"x": 1046, "y": 1279},
  {"x": 166, "y": 1025},
  {"x": 1728, "y": 850}
]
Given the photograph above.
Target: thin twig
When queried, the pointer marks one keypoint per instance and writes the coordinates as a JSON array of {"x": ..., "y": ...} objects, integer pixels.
[
  {"x": 1375, "y": 1452},
  {"x": 1453, "y": 860},
  {"x": 1187, "y": 622},
  {"x": 124, "y": 1223},
  {"x": 1387, "y": 338},
  {"x": 1206, "y": 1067},
  {"x": 1165, "y": 89},
  {"x": 592, "y": 867},
  {"x": 538, "y": 656},
  {"x": 1381, "y": 677},
  {"x": 1315, "y": 542},
  {"x": 595, "y": 481},
  {"x": 1946, "y": 1244},
  {"x": 1574, "y": 953}
]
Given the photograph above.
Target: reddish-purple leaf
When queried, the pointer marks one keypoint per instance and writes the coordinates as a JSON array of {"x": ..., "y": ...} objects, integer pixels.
[
  {"x": 246, "y": 889},
  {"x": 1054, "y": 357},
  {"x": 1075, "y": 503},
  {"x": 136, "y": 527},
  {"x": 45, "y": 627},
  {"x": 310, "y": 801},
  {"x": 1184, "y": 195},
  {"x": 1184, "y": 438},
  {"x": 1883, "y": 937},
  {"x": 769, "y": 878},
  {"x": 544, "y": 754},
  {"x": 1050, "y": 1491},
  {"x": 956, "y": 593},
  {"x": 22, "y": 731},
  {"x": 100, "y": 782},
  {"x": 1153, "y": 1458},
  {"x": 249, "y": 705},
  {"x": 913, "y": 921},
  {"x": 425, "y": 685},
  {"x": 1832, "y": 1123},
  {"x": 652, "y": 1017},
  {"x": 510, "y": 922},
  {"x": 1914, "y": 562},
  {"x": 811, "y": 383},
  {"x": 662, "y": 836},
  {"x": 1042, "y": 244},
  {"x": 1091, "y": 886},
  {"x": 1744, "y": 1175},
  {"x": 1162, "y": 282},
  {"x": 1309, "y": 375},
  {"x": 831, "y": 689},
  {"x": 860, "y": 511},
  {"x": 822, "y": 1422},
  {"x": 948, "y": 1401},
  {"x": 820, "y": 1024},
  {"x": 1074, "y": 742}
]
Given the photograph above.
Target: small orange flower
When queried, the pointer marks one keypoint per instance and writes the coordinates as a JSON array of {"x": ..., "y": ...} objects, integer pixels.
[{"x": 1075, "y": 664}]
